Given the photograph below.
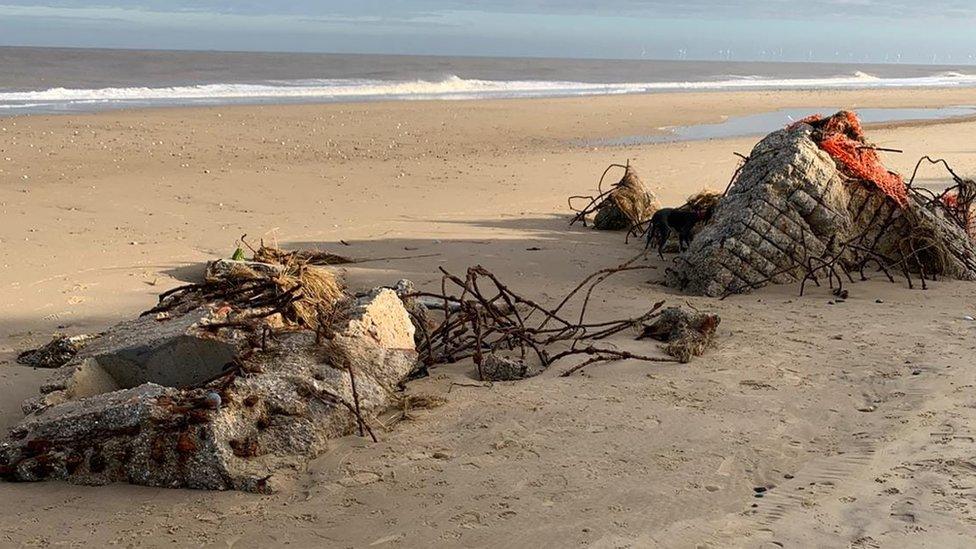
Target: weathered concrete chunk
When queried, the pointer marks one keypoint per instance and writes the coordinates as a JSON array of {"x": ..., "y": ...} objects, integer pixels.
[
  {"x": 787, "y": 177},
  {"x": 378, "y": 338},
  {"x": 190, "y": 400},
  {"x": 172, "y": 351},
  {"x": 791, "y": 202}
]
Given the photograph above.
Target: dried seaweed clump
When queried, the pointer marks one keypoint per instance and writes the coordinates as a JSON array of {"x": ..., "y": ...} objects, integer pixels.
[
  {"x": 625, "y": 205},
  {"x": 499, "y": 368},
  {"x": 320, "y": 289},
  {"x": 277, "y": 256},
  {"x": 282, "y": 285},
  {"x": 628, "y": 204},
  {"x": 704, "y": 201}
]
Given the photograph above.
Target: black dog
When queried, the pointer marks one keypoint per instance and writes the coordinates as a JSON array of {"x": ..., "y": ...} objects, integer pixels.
[{"x": 680, "y": 220}]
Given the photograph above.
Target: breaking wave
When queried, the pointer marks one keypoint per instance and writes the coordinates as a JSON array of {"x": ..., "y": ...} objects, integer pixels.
[{"x": 450, "y": 88}]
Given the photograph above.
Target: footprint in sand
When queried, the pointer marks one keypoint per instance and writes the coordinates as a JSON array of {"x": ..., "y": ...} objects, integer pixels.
[
  {"x": 469, "y": 520},
  {"x": 360, "y": 479},
  {"x": 865, "y": 543},
  {"x": 904, "y": 510}
]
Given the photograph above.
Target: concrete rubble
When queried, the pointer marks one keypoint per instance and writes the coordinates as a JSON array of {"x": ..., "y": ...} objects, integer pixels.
[
  {"x": 791, "y": 203},
  {"x": 186, "y": 399}
]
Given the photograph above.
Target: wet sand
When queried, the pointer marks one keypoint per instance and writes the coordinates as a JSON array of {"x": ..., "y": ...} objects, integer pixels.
[{"x": 99, "y": 213}]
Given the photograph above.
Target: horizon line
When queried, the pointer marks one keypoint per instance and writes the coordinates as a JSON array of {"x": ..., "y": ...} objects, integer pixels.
[{"x": 497, "y": 57}]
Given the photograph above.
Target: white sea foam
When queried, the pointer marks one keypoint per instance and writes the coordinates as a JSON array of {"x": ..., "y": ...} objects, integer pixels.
[{"x": 451, "y": 88}]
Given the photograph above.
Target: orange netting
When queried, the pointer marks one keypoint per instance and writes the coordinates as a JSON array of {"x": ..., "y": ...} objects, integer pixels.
[{"x": 842, "y": 137}]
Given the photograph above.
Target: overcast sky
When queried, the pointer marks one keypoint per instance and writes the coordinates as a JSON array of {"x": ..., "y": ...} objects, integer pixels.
[{"x": 922, "y": 31}]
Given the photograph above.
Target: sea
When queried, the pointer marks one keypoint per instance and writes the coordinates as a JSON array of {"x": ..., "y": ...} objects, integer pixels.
[{"x": 64, "y": 80}]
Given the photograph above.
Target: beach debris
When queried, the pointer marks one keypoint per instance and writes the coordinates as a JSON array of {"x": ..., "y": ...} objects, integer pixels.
[
  {"x": 628, "y": 203},
  {"x": 234, "y": 384},
  {"x": 417, "y": 308},
  {"x": 687, "y": 334},
  {"x": 843, "y": 138},
  {"x": 489, "y": 318},
  {"x": 285, "y": 287},
  {"x": 239, "y": 269},
  {"x": 409, "y": 403},
  {"x": 703, "y": 201},
  {"x": 498, "y": 368},
  {"x": 277, "y": 256},
  {"x": 798, "y": 214},
  {"x": 959, "y": 199},
  {"x": 56, "y": 353}
]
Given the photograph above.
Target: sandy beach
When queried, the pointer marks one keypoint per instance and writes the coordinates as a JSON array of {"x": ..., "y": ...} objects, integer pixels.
[{"x": 857, "y": 416}]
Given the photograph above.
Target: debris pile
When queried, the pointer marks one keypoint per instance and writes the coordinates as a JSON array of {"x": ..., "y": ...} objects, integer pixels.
[
  {"x": 55, "y": 354},
  {"x": 627, "y": 204},
  {"x": 511, "y": 337},
  {"x": 221, "y": 385},
  {"x": 797, "y": 214},
  {"x": 703, "y": 201},
  {"x": 498, "y": 368},
  {"x": 959, "y": 200},
  {"x": 687, "y": 334}
]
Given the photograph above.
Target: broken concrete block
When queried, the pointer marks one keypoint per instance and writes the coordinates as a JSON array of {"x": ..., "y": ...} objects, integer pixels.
[
  {"x": 790, "y": 203},
  {"x": 418, "y": 311},
  {"x": 177, "y": 351},
  {"x": 192, "y": 402},
  {"x": 378, "y": 338}
]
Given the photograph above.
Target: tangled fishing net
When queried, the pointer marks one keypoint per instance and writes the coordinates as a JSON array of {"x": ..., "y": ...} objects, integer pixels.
[
  {"x": 842, "y": 137},
  {"x": 963, "y": 210}
]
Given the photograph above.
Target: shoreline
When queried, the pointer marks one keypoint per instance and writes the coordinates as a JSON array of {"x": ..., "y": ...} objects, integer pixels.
[
  {"x": 774, "y": 99},
  {"x": 258, "y": 102}
]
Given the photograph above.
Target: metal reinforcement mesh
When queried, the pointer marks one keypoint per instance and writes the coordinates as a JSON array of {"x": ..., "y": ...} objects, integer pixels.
[{"x": 793, "y": 211}]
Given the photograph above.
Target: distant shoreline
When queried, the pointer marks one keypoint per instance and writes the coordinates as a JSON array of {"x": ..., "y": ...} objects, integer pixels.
[{"x": 449, "y": 56}]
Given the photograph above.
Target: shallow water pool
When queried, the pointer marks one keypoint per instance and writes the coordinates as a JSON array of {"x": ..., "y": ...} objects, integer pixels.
[{"x": 763, "y": 123}]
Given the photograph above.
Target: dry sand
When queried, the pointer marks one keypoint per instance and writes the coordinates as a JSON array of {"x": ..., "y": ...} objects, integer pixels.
[{"x": 858, "y": 417}]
